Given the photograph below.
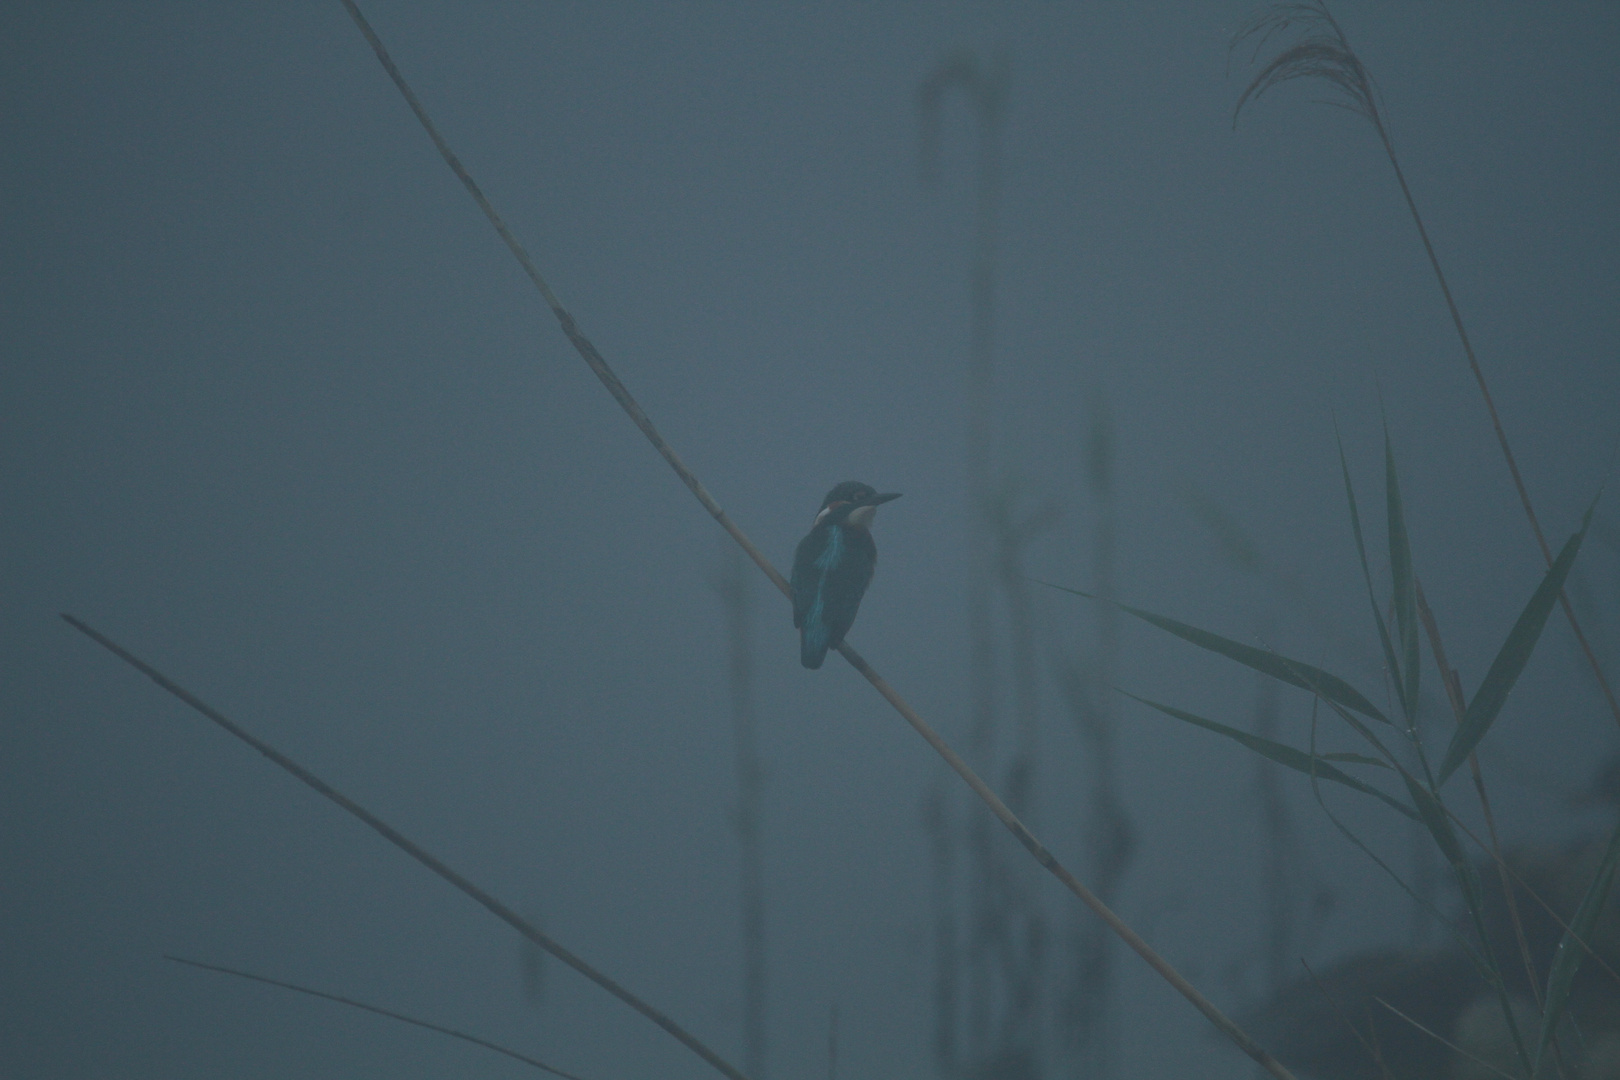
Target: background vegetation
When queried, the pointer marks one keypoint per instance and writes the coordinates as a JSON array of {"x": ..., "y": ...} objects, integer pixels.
[{"x": 275, "y": 414}]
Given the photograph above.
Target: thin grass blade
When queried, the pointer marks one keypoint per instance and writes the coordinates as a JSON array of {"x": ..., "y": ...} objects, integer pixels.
[
  {"x": 1354, "y": 759},
  {"x": 1462, "y": 941},
  {"x": 1351, "y": 721},
  {"x": 1512, "y": 657},
  {"x": 1447, "y": 1043},
  {"x": 1281, "y": 753},
  {"x": 1432, "y": 812},
  {"x": 409, "y": 847},
  {"x": 1567, "y": 960},
  {"x": 1366, "y": 574},
  {"x": 1405, "y": 592},
  {"x": 1294, "y": 672},
  {"x": 352, "y": 1003}
]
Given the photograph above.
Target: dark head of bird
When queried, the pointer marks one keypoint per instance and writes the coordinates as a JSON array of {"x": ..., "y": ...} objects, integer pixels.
[
  {"x": 832, "y": 568},
  {"x": 852, "y": 503}
]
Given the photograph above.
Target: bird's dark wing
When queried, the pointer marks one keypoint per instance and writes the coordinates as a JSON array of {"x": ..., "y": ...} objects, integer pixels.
[
  {"x": 846, "y": 582},
  {"x": 806, "y": 575}
]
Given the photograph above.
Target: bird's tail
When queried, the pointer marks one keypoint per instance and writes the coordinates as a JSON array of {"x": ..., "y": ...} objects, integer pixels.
[{"x": 813, "y": 645}]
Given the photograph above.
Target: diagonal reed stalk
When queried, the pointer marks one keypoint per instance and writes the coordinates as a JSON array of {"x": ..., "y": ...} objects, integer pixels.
[
  {"x": 428, "y": 1024},
  {"x": 409, "y": 847},
  {"x": 603, "y": 372},
  {"x": 1323, "y": 52}
]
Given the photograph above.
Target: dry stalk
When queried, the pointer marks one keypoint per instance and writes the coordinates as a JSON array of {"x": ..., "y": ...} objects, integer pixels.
[{"x": 598, "y": 365}]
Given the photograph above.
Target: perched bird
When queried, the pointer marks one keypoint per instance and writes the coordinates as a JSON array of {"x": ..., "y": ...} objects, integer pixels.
[{"x": 832, "y": 568}]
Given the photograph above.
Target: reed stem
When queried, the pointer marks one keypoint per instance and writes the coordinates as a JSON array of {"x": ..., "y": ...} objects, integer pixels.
[
  {"x": 603, "y": 372},
  {"x": 409, "y": 847}
]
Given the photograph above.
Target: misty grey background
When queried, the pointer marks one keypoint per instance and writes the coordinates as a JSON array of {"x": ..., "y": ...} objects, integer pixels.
[{"x": 279, "y": 413}]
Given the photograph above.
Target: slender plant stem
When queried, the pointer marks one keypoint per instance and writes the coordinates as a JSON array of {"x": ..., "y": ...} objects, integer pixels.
[
  {"x": 581, "y": 343},
  {"x": 1442, "y": 1040},
  {"x": 409, "y": 847},
  {"x": 1372, "y": 1051},
  {"x": 1505, "y": 867},
  {"x": 594, "y": 359},
  {"x": 1496, "y": 420},
  {"x": 1459, "y": 708},
  {"x": 1057, "y": 870},
  {"x": 441, "y": 1029},
  {"x": 1328, "y": 55}
]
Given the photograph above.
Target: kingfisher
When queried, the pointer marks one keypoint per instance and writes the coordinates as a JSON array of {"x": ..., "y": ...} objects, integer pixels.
[{"x": 832, "y": 568}]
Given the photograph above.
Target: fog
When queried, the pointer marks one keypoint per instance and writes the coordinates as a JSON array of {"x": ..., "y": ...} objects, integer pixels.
[{"x": 281, "y": 415}]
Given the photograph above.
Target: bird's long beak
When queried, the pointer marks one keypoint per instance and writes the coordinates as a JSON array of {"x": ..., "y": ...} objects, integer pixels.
[{"x": 864, "y": 511}]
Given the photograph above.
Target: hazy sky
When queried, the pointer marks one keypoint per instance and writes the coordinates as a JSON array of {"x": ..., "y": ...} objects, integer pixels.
[{"x": 280, "y": 414}]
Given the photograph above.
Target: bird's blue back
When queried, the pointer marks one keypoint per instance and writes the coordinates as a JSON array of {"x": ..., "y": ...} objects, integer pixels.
[{"x": 831, "y": 570}]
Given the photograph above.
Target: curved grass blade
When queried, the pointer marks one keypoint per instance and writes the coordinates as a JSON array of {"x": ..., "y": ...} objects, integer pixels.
[
  {"x": 1567, "y": 960},
  {"x": 1385, "y": 758},
  {"x": 1512, "y": 657},
  {"x": 1354, "y": 759},
  {"x": 1281, "y": 668},
  {"x": 352, "y": 1003},
  {"x": 1432, "y": 812},
  {"x": 1447, "y": 1043},
  {"x": 1282, "y": 754},
  {"x": 1405, "y": 593},
  {"x": 1485, "y": 971},
  {"x": 1435, "y": 817},
  {"x": 1366, "y": 574},
  {"x": 409, "y": 847},
  {"x": 1371, "y": 1048}
]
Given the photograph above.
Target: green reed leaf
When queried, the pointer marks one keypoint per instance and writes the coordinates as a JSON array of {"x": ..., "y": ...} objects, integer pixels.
[
  {"x": 1512, "y": 657},
  {"x": 1281, "y": 753}
]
